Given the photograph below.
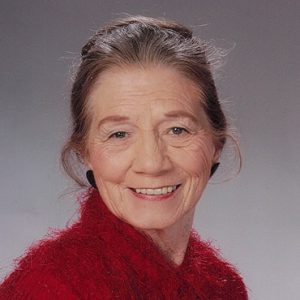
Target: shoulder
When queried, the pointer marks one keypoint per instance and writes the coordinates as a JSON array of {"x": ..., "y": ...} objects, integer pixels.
[
  {"x": 220, "y": 277},
  {"x": 34, "y": 284},
  {"x": 52, "y": 268}
]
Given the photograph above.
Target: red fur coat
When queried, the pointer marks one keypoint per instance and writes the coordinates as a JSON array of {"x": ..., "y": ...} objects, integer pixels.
[{"x": 101, "y": 257}]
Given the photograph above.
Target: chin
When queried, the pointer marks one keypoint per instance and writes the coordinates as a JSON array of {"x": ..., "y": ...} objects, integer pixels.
[
  {"x": 151, "y": 222},
  {"x": 151, "y": 225}
]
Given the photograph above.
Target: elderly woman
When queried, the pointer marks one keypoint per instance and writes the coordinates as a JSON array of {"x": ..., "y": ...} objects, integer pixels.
[{"x": 148, "y": 126}]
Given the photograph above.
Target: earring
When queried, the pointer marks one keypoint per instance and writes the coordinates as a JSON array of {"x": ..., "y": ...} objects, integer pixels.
[
  {"x": 90, "y": 178},
  {"x": 214, "y": 169}
]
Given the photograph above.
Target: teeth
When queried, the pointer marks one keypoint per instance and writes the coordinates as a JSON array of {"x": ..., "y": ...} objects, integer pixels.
[{"x": 160, "y": 191}]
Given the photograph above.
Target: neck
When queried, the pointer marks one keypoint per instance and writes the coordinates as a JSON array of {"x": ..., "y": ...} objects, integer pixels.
[{"x": 173, "y": 240}]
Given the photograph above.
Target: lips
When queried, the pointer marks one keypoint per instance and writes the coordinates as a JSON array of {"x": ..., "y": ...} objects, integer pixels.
[{"x": 155, "y": 193}]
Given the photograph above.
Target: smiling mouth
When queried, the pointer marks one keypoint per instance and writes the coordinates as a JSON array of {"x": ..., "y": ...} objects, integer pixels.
[{"x": 158, "y": 191}]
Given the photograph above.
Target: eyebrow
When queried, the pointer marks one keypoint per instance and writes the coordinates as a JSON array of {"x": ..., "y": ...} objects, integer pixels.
[
  {"x": 172, "y": 114},
  {"x": 113, "y": 119},
  {"x": 181, "y": 114}
]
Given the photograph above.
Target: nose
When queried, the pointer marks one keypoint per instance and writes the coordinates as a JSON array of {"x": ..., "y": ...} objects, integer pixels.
[{"x": 151, "y": 157}]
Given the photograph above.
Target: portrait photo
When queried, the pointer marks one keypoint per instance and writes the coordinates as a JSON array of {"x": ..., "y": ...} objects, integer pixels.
[{"x": 149, "y": 150}]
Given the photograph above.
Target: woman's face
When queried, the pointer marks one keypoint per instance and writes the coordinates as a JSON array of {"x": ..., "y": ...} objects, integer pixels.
[{"x": 149, "y": 145}]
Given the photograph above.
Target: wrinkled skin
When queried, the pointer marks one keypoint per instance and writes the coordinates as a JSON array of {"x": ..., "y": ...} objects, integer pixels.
[{"x": 161, "y": 137}]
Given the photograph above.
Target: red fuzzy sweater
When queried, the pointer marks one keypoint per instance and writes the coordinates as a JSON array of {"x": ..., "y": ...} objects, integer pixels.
[{"x": 101, "y": 257}]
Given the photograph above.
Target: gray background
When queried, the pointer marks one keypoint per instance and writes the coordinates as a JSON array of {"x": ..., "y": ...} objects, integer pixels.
[{"x": 253, "y": 218}]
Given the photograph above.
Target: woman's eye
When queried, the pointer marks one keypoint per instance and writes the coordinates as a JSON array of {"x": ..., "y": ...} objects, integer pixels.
[
  {"x": 118, "y": 135},
  {"x": 178, "y": 130}
]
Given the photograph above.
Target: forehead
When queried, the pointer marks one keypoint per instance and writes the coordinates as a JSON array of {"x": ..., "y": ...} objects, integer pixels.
[{"x": 135, "y": 90}]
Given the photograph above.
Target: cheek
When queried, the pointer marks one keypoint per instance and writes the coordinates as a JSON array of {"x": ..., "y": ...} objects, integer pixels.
[
  {"x": 105, "y": 162},
  {"x": 196, "y": 159}
]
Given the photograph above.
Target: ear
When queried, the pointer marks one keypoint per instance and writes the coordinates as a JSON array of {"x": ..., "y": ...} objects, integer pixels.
[
  {"x": 87, "y": 162},
  {"x": 85, "y": 158},
  {"x": 217, "y": 153}
]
